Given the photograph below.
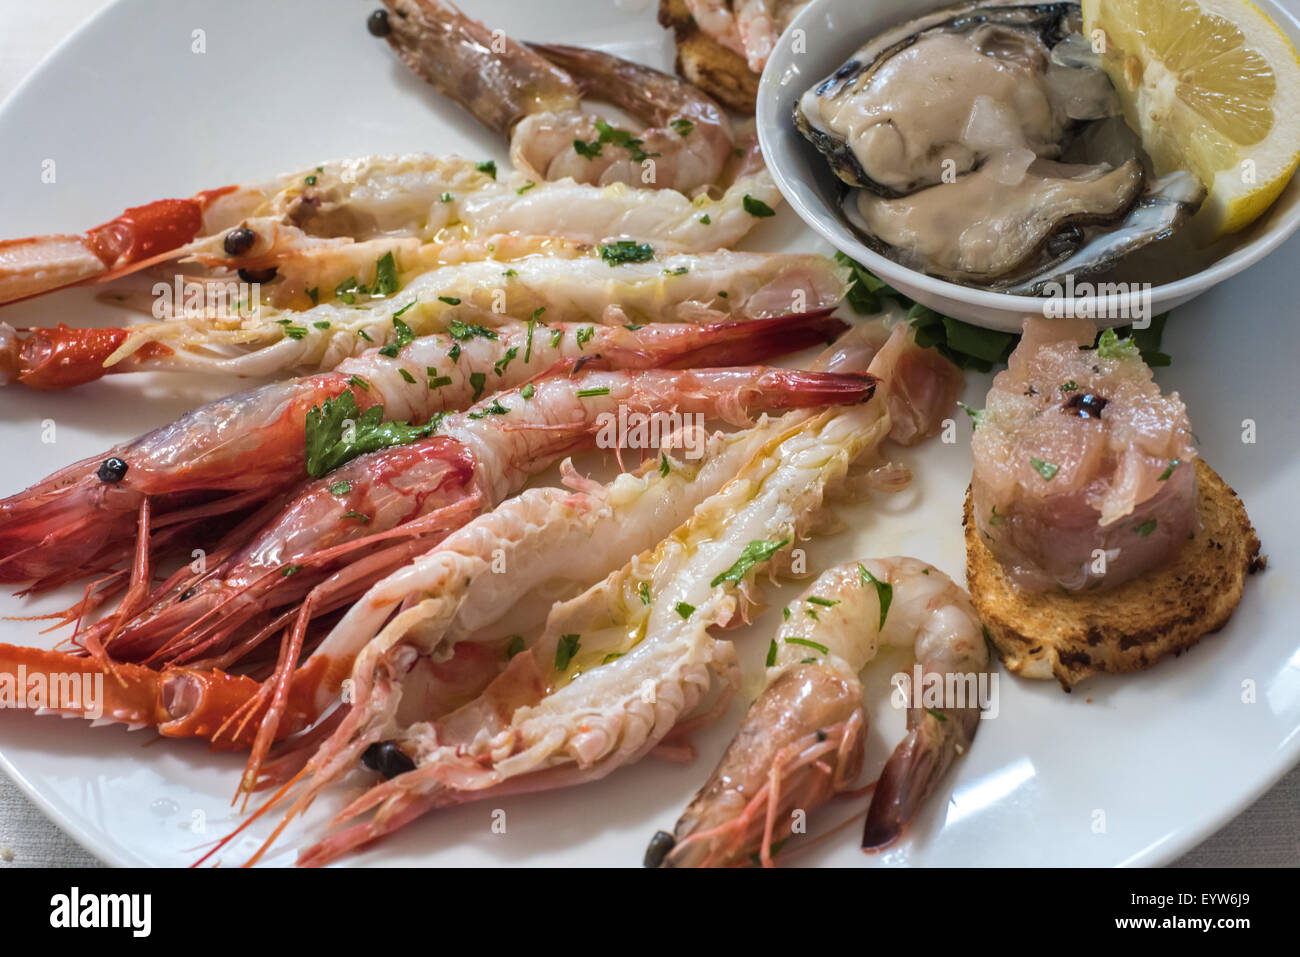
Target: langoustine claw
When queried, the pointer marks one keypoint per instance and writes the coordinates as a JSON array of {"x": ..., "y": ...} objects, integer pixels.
[
  {"x": 175, "y": 702},
  {"x": 31, "y": 266}
]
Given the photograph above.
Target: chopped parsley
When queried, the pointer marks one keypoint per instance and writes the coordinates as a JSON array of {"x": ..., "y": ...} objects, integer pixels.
[
  {"x": 1146, "y": 528},
  {"x": 824, "y": 602},
  {"x": 514, "y": 646},
  {"x": 1047, "y": 470},
  {"x": 808, "y": 644},
  {"x": 478, "y": 380},
  {"x": 564, "y": 651},
  {"x": 682, "y": 126},
  {"x": 404, "y": 337},
  {"x": 644, "y": 591},
  {"x": 626, "y": 251},
  {"x": 496, "y": 408},
  {"x": 359, "y": 516},
  {"x": 449, "y": 300},
  {"x": 407, "y": 376},
  {"x": 584, "y": 336},
  {"x": 1169, "y": 470},
  {"x": 526, "y": 187},
  {"x": 463, "y": 331},
  {"x": 617, "y": 137},
  {"x": 587, "y": 150},
  {"x": 527, "y": 391},
  {"x": 663, "y": 465},
  {"x": 590, "y": 393},
  {"x": 500, "y": 366},
  {"x": 330, "y": 444},
  {"x": 290, "y": 569},
  {"x": 705, "y": 219},
  {"x": 437, "y": 382},
  {"x": 341, "y": 488},
  {"x": 683, "y": 609},
  {"x": 757, "y": 208},
  {"x": 487, "y": 166},
  {"x": 385, "y": 283},
  {"x": 752, "y": 554},
  {"x": 771, "y": 650},
  {"x": 884, "y": 592}
]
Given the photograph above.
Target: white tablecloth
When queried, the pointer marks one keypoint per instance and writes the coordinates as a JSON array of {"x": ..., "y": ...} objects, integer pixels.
[{"x": 1266, "y": 834}]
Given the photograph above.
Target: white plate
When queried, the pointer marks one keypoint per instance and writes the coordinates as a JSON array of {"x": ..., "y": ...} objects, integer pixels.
[{"x": 1133, "y": 770}]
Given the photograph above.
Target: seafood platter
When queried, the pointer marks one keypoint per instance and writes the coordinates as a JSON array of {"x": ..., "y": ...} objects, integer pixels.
[{"x": 480, "y": 455}]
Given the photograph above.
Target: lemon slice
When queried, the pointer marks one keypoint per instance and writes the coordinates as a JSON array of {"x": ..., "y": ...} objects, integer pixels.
[{"x": 1212, "y": 86}]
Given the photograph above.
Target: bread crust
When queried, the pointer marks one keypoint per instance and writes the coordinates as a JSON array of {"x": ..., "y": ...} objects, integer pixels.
[
  {"x": 701, "y": 60},
  {"x": 1073, "y": 635}
]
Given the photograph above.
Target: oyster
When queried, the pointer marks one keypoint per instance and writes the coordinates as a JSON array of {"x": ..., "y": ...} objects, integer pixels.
[
  {"x": 998, "y": 221},
  {"x": 938, "y": 96},
  {"x": 985, "y": 147}
]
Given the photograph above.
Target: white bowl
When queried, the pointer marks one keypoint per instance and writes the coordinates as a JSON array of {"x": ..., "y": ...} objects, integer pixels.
[{"x": 817, "y": 42}]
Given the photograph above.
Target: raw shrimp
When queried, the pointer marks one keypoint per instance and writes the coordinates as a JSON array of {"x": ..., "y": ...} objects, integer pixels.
[
  {"x": 249, "y": 227},
  {"x": 573, "y": 704},
  {"x": 247, "y": 448},
  {"x": 477, "y": 459},
  {"x": 536, "y": 101},
  {"x": 554, "y": 542},
  {"x": 302, "y": 229},
  {"x": 801, "y": 742},
  {"x": 559, "y": 279}
]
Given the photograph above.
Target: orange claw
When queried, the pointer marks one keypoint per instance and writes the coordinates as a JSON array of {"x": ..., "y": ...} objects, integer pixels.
[
  {"x": 177, "y": 702},
  {"x": 64, "y": 357},
  {"x": 140, "y": 235}
]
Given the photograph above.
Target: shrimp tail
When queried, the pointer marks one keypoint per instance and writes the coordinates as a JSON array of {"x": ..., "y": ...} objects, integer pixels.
[
  {"x": 743, "y": 342},
  {"x": 934, "y": 738},
  {"x": 496, "y": 79}
]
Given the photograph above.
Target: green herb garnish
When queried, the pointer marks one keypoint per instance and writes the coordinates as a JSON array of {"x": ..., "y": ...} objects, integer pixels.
[
  {"x": 1047, "y": 470},
  {"x": 884, "y": 592},
  {"x": 626, "y": 251},
  {"x": 1146, "y": 528},
  {"x": 328, "y": 445},
  {"x": 683, "y": 609},
  {"x": 808, "y": 644},
  {"x": 564, "y": 651},
  {"x": 753, "y": 553},
  {"x": 757, "y": 208}
]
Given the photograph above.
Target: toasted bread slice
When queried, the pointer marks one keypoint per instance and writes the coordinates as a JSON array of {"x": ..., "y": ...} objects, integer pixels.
[
  {"x": 721, "y": 73},
  {"x": 1077, "y": 634}
]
